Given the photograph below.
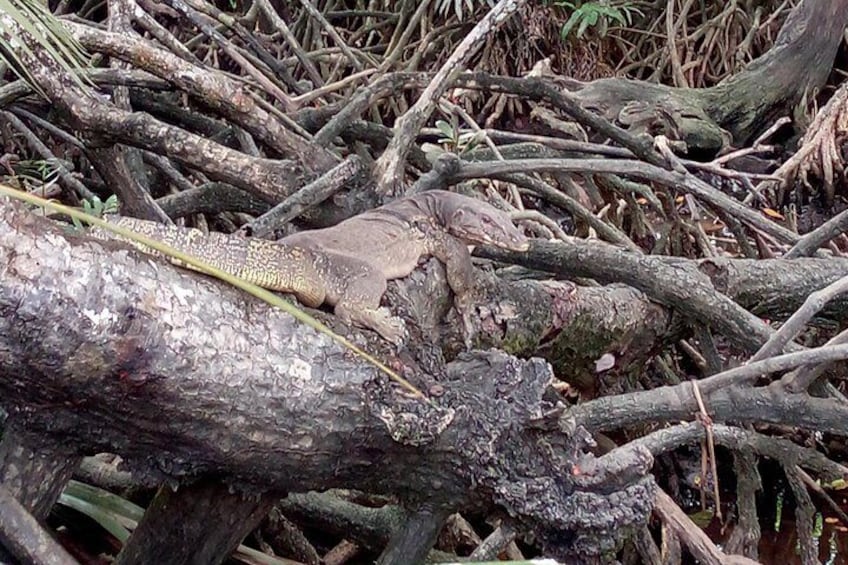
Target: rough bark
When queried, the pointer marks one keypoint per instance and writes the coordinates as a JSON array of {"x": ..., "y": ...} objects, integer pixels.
[
  {"x": 35, "y": 469},
  {"x": 33, "y": 472},
  {"x": 24, "y": 537},
  {"x": 108, "y": 356}
]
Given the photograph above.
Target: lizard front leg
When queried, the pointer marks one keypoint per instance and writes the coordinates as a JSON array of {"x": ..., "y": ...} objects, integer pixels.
[
  {"x": 358, "y": 301},
  {"x": 460, "y": 274}
]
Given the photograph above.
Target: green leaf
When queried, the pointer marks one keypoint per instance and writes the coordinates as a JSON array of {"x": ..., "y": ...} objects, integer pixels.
[
  {"x": 111, "y": 205},
  {"x": 568, "y": 25},
  {"x": 432, "y": 152},
  {"x": 109, "y": 510},
  {"x": 617, "y": 16},
  {"x": 446, "y": 129},
  {"x": 581, "y": 29},
  {"x": 109, "y": 523}
]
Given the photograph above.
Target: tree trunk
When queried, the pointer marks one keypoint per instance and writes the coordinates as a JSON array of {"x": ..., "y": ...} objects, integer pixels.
[{"x": 205, "y": 381}]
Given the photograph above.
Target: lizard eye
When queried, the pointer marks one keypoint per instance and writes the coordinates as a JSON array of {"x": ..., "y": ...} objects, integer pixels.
[{"x": 486, "y": 220}]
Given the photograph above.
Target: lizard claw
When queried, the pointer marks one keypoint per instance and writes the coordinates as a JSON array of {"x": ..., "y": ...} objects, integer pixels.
[
  {"x": 465, "y": 309},
  {"x": 393, "y": 330},
  {"x": 390, "y": 328}
]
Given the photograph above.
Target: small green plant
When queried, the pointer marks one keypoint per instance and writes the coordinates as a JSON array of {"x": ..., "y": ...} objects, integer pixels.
[
  {"x": 455, "y": 141},
  {"x": 818, "y": 526},
  {"x": 37, "y": 172},
  {"x": 98, "y": 208},
  {"x": 596, "y": 15},
  {"x": 47, "y": 169},
  {"x": 778, "y": 515},
  {"x": 452, "y": 141}
]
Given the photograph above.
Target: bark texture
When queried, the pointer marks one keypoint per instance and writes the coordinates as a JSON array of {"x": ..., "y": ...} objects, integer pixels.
[{"x": 183, "y": 377}]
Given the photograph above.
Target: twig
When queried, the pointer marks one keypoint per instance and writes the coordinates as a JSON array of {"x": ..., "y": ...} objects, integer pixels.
[
  {"x": 804, "y": 516},
  {"x": 819, "y": 139},
  {"x": 398, "y": 44},
  {"x": 24, "y": 537},
  {"x": 309, "y": 97},
  {"x": 232, "y": 52},
  {"x": 800, "y": 379},
  {"x": 810, "y": 242},
  {"x": 291, "y": 40},
  {"x": 65, "y": 176},
  {"x": 307, "y": 197},
  {"x": 779, "y": 123},
  {"x": 738, "y": 439},
  {"x": 387, "y": 170},
  {"x": 494, "y": 543},
  {"x": 475, "y": 127},
  {"x": 674, "y": 56},
  {"x": 707, "y": 422},
  {"x": 644, "y": 171},
  {"x": 544, "y": 190},
  {"x": 812, "y": 306},
  {"x": 816, "y": 487},
  {"x": 747, "y": 374},
  {"x": 537, "y": 216},
  {"x": 694, "y": 537},
  {"x": 334, "y": 35}
]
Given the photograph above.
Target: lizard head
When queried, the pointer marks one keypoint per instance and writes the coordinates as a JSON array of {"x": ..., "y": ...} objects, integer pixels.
[{"x": 481, "y": 223}]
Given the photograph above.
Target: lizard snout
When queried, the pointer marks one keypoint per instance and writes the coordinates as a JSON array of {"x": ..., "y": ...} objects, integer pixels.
[{"x": 516, "y": 241}]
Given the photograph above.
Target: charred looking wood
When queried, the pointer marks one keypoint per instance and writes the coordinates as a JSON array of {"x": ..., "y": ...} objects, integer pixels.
[
  {"x": 170, "y": 532},
  {"x": 211, "y": 198}
]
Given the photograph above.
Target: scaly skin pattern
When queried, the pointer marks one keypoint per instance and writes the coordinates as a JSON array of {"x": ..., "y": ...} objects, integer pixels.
[
  {"x": 258, "y": 261},
  {"x": 348, "y": 265}
]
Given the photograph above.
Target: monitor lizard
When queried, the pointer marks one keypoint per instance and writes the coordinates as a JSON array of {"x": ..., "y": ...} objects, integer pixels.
[{"x": 347, "y": 266}]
